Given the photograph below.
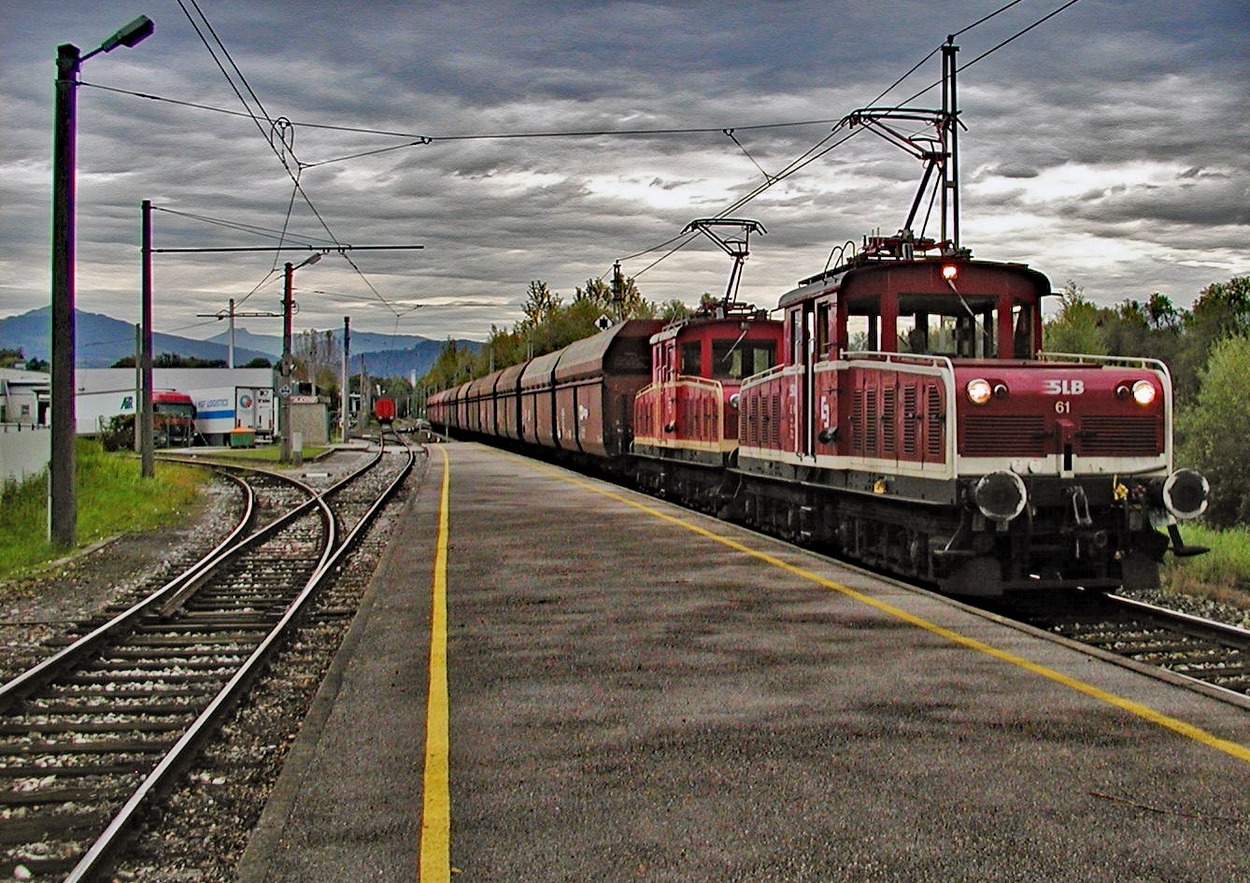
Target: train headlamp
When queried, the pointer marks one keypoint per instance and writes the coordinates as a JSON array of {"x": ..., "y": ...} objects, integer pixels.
[
  {"x": 979, "y": 391},
  {"x": 1144, "y": 392},
  {"x": 950, "y": 272}
]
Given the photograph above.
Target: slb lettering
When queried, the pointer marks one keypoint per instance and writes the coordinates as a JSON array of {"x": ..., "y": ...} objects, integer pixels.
[{"x": 1064, "y": 387}]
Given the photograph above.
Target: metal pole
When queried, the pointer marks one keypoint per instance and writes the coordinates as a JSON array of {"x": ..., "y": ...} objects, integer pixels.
[
  {"x": 62, "y": 489},
  {"x": 284, "y": 392},
  {"x": 230, "y": 350},
  {"x": 144, "y": 427},
  {"x": 138, "y": 445},
  {"x": 346, "y": 399},
  {"x": 950, "y": 106}
]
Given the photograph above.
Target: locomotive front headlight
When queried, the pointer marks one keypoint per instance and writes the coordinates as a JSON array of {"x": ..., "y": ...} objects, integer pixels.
[
  {"x": 735, "y": 401},
  {"x": 1144, "y": 392},
  {"x": 979, "y": 391}
]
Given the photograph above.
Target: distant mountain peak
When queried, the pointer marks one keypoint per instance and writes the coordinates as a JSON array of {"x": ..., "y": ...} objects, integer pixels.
[{"x": 101, "y": 341}]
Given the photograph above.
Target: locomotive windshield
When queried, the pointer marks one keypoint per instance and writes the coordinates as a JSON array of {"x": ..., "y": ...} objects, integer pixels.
[
  {"x": 962, "y": 327},
  {"x": 736, "y": 359}
]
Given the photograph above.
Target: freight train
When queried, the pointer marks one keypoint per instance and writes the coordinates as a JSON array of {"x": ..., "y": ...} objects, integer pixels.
[{"x": 901, "y": 413}]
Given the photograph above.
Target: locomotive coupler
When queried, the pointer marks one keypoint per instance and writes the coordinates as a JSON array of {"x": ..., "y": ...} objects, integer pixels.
[{"x": 1080, "y": 505}]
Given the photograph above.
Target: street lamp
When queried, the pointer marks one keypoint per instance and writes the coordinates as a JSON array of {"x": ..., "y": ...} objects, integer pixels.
[
  {"x": 284, "y": 391},
  {"x": 62, "y": 492}
]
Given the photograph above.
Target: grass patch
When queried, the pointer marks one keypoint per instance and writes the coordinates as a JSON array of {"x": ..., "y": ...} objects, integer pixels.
[
  {"x": 113, "y": 499},
  {"x": 261, "y": 454},
  {"x": 1223, "y": 574}
]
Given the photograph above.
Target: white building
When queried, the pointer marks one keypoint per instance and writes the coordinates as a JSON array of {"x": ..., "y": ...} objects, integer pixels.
[
  {"x": 225, "y": 398},
  {"x": 25, "y": 397}
]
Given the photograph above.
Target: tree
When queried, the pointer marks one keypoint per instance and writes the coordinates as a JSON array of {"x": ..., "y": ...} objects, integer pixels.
[
  {"x": 1162, "y": 315},
  {"x": 1075, "y": 329},
  {"x": 540, "y": 303},
  {"x": 673, "y": 310},
  {"x": 1212, "y": 431},
  {"x": 9, "y": 358},
  {"x": 1221, "y": 311},
  {"x": 452, "y": 366},
  {"x": 319, "y": 359}
]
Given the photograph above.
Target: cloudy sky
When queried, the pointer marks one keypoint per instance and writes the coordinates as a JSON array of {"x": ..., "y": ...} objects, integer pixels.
[{"x": 1107, "y": 146}]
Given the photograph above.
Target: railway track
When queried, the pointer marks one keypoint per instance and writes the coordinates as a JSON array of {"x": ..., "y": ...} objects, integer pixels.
[
  {"x": 1212, "y": 655},
  {"x": 92, "y": 736}
]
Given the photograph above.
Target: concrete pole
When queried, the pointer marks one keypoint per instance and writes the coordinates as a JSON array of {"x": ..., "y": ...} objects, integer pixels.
[
  {"x": 144, "y": 425},
  {"x": 62, "y": 487}
]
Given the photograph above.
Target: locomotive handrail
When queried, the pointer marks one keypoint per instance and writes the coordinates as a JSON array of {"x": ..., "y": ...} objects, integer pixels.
[
  {"x": 900, "y": 358},
  {"x": 1143, "y": 362},
  {"x": 762, "y": 376},
  {"x": 696, "y": 380}
]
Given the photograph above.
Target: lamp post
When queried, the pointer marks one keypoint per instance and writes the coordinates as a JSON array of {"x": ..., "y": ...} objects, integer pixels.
[
  {"x": 62, "y": 490},
  {"x": 284, "y": 391}
]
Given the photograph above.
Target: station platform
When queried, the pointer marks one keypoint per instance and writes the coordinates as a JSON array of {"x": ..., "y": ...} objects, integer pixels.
[{"x": 556, "y": 679}]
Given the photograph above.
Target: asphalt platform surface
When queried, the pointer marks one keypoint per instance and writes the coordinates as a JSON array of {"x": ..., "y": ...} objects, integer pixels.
[{"x": 636, "y": 692}]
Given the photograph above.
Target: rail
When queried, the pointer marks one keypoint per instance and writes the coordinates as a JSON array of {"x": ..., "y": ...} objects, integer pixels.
[
  {"x": 324, "y": 549},
  {"x": 103, "y": 849}
]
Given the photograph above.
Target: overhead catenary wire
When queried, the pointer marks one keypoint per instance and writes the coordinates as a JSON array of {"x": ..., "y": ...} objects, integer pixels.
[
  {"x": 819, "y": 151},
  {"x": 294, "y": 166}
]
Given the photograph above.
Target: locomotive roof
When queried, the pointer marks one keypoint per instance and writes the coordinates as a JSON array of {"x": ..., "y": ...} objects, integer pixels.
[{"x": 909, "y": 275}]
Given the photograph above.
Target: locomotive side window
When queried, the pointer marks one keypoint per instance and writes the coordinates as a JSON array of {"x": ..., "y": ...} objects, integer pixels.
[
  {"x": 862, "y": 332},
  {"x": 824, "y": 330},
  {"x": 1022, "y": 345},
  {"x": 794, "y": 333},
  {"x": 692, "y": 358}
]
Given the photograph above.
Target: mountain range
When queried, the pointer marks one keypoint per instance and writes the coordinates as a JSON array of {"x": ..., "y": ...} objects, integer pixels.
[{"x": 101, "y": 341}]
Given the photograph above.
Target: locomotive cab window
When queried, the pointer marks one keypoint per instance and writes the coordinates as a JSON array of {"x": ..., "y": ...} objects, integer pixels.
[
  {"x": 736, "y": 359},
  {"x": 825, "y": 313},
  {"x": 942, "y": 325}
]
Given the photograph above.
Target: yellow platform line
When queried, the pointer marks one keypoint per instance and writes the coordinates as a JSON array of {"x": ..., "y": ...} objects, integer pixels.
[
  {"x": 1189, "y": 731},
  {"x": 435, "y": 855}
]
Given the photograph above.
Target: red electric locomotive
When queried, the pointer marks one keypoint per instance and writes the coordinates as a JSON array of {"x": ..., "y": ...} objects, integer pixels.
[
  {"x": 686, "y": 421},
  {"x": 915, "y": 425}
]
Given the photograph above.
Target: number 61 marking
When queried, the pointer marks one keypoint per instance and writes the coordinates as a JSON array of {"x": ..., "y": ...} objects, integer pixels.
[{"x": 1063, "y": 407}]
